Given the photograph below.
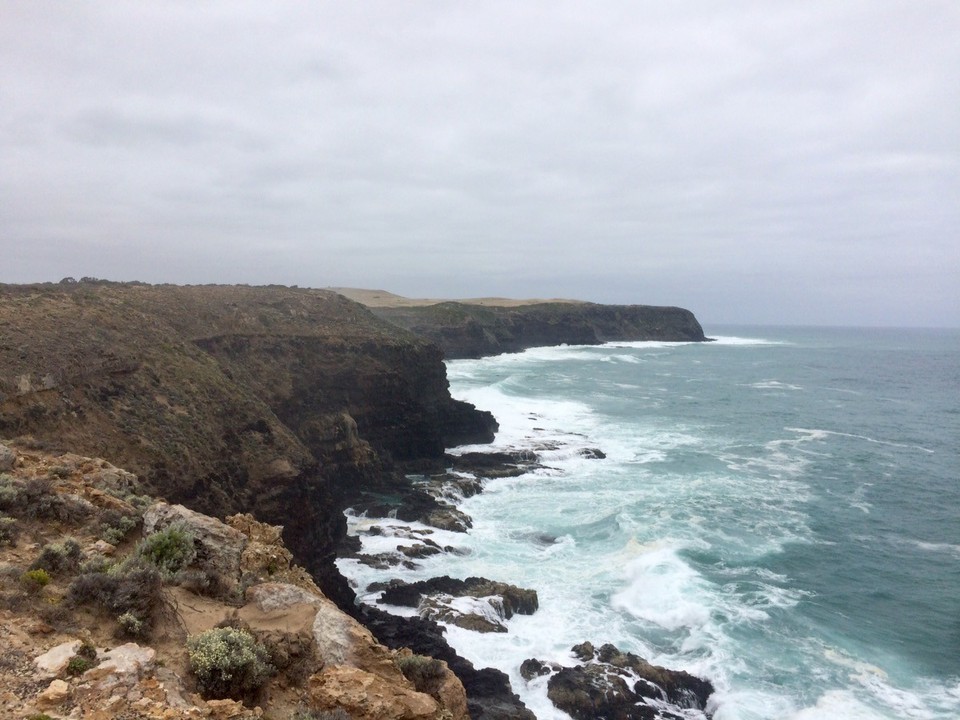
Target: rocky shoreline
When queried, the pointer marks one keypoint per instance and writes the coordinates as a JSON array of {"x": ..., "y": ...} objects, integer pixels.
[
  {"x": 606, "y": 682},
  {"x": 289, "y": 403}
]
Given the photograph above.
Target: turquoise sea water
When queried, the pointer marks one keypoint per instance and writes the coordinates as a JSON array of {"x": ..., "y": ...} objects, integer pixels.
[{"x": 778, "y": 511}]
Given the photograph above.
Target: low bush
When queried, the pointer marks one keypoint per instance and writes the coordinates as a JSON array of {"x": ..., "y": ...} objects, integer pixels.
[
  {"x": 421, "y": 670},
  {"x": 170, "y": 550},
  {"x": 132, "y": 588},
  {"x": 228, "y": 663},
  {"x": 129, "y": 625},
  {"x": 35, "y": 580},
  {"x": 9, "y": 530},
  {"x": 36, "y": 499},
  {"x": 59, "y": 558},
  {"x": 78, "y": 665},
  {"x": 115, "y": 525}
]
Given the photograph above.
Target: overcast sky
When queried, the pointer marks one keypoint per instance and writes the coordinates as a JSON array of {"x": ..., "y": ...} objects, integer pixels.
[{"x": 778, "y": 162}]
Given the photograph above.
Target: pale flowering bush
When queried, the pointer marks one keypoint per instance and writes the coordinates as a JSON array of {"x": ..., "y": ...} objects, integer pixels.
[{"x": 228, "y": 663}]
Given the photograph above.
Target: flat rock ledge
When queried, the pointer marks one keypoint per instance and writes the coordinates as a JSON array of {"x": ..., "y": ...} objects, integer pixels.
[
  {"x": 620, "y": 686},
  {"x": 476, "y": 603}
]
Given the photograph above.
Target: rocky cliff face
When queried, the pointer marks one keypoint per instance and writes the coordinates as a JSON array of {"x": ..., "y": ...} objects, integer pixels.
[
  {"x": 471, "y": 331},
  {"x": 113, "y": 605},
  {"x": 280, "y": 401}
]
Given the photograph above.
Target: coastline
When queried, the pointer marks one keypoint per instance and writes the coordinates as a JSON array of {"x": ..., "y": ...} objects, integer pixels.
[{"x": 291, "y": 403}]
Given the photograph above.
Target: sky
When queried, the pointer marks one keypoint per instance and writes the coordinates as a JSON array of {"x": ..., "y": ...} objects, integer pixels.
[{"x": 755, "y": 162}]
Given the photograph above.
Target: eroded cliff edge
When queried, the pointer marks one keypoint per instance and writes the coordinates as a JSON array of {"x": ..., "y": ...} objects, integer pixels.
[
  {"x": 467, "y": 330},
  {"x": 280, "y": 401}
]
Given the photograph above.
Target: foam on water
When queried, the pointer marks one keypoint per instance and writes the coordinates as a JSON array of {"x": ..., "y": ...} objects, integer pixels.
[{"x": 682, "y": 544}]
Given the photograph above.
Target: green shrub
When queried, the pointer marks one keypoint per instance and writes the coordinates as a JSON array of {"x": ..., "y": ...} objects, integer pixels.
[
  {"x": 9, "y": 530},
  {"x": 228, "y": 663},
  {"x": 140, "y": 502},
  {"x": 78, "y": 665},
  {"x": 421, "y": 670},
  {"x": 115, "y": 526},
  {"x": 133, "y": 587},
  {"x": 36, "y": 498},
  {"x": 35, "y": 580},
  {"x": 129, "y": 625},
  {"x": 60, "y": 558},
  {"x": 170, "y": 549}
]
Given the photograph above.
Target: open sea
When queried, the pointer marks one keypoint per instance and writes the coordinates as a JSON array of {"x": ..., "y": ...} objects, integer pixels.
[{"x": 778, "y": 511}]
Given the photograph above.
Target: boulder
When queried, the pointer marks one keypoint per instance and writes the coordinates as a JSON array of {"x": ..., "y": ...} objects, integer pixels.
[
  {"x": 129, "y": 659},
  {"x": 533, "y": 668},
  {"x": 54, "y": 694},
  {"x": 365, "y": 695},
  {"x": 55, "y": 660}
]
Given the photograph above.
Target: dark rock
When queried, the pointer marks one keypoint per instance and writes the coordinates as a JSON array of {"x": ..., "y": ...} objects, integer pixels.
[
  {"x": 420, "y": 550},
  {"x": 593, "y": 454},
  {"x": 531, "y": 668},
  {"x": 515, "y": 599},
  {"x": 584, "y": 651},
  {"x": 440, "y": 608},
  {"x": 494, "y": 464},
  {"x": 601, "y": 687}
]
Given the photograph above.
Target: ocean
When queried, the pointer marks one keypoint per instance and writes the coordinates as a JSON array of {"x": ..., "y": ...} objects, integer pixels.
[{"x": 777, "y": 511}]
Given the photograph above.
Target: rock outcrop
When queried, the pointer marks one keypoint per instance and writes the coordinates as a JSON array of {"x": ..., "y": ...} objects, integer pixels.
[
  {"x": 472, "y": 331},
  {"x": 618, "y": 685},
  {"x": 66, "y": 654},
  {"x": 474, "y": 603}
]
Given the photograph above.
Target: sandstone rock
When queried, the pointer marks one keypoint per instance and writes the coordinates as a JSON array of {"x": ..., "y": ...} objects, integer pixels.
[
  {"x": 271, "y": 597},
  {"x": 341, "y": 640},
  {"x": 365, "y": 695},
  {"x": 55, "y": 660},
  {"x": 55, "y": 693},
  {"x": 128, "y": 659},
  {"x": 265, "y": 556},
  {"x": 8, "y": 457},
  {"x": 219, "y": 546}
]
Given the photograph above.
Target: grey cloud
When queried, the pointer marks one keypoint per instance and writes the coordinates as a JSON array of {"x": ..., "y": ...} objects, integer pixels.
[{"x": 754, "y": 162}]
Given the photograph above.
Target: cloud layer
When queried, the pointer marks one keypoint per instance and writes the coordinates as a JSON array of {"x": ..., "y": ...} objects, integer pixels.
[{"x": 796, "y": 162}]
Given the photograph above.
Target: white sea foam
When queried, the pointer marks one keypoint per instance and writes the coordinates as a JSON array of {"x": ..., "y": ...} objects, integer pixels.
[
  {"x": 773, "y": 385},
  {"x": 745, "y": 341},
  {"x": 821, "y": 434},
  {"x": 669, "y": 548}
]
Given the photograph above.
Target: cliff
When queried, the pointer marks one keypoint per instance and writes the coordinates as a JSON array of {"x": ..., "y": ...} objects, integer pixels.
[
  {"x": 285, "y": 402},
  {"x": 114, "y": 605},
  {"x": 466, "y": 330}
]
